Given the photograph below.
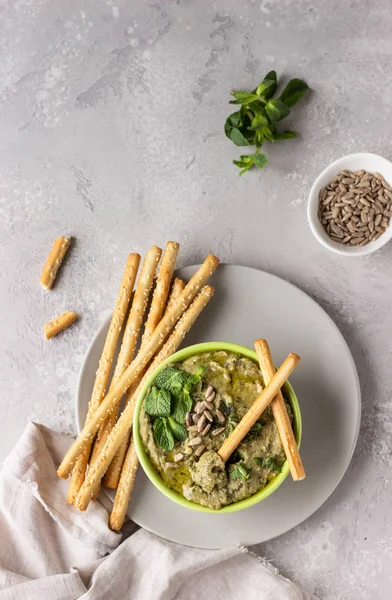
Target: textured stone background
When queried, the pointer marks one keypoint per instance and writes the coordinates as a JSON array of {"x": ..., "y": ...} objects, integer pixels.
[{"x": 111, "y": 130}]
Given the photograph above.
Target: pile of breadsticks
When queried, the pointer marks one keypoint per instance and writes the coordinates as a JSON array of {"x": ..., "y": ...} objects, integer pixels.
[{"x": 104, "y": 449}]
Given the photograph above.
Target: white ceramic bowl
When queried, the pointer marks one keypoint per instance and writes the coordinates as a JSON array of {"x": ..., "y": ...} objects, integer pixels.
[{"x": 352, "y": 162}]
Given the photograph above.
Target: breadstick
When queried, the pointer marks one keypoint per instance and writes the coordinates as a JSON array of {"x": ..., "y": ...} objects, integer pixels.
[
  {"x": 104, "y": 368},
  {"x": 59, "y": 324},
  {"x": 125, "y": 487},
  {"x": 279, "y": 411},
  {"x": 54, "y": 260},
  {"x": 161, "y": 289},
  {"x": 177, "y": 287},
  {"x": 136, "y": 367},
  {"x": 258, "y": 406},
  {"x": 113, "y": 473},
  {"x": 124, "y": 423},
  {"x": 131, "y": 334}
]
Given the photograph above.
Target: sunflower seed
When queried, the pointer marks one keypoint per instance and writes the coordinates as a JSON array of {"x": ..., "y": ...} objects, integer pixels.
[
  {"x": 195, "y": 442},
  {"x": 202, "y": 423},
  {"x": 218, "y": 431},
  {"x": 201, "y": 408},
  {"x": 197, "y": 406},
  {"x": 192, "y": 428},
  {"x": 386, "y": 186},
  {"x": 188, "y": 419},
  {"x": 335, "y": 212},
  {"x": 220, "y": 415},
  {"x": 178, "y": 457},
  {"x": 208, "y": 415},
  {"x": 210, "y": 399},
  {"x": 210, "y": 388},
  {"x": 195, "y": 418},
  {"x": 378, "y": 219},
  {"x": 199, "y": 451},
  {"x": 171, "y": 465},
  {"x": 206, "y": 429},
  {"x": 337, "y": 231}
]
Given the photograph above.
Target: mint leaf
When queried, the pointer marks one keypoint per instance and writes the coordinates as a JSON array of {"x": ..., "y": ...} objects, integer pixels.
[
  {"x": 235, "y": 457},
  {"x": 259, "y": 138},
  {"x": 238, "y": 138},
  {"x": 171, "y": 379},
  {"x": 243, "y": 97},
  {"x": 195, "y": 378},
  {"x": 267, "y": 133},
  {"x": 293, "y": 92},
  {"x": 182, "y": 404},
  {"x": 271, "y": 89},
  {"x": 259, "y": 160},
  {"x": 158, "y": 403},
  {"x": 259, "y": 120},
  {"x": 284, "y": 135},
  {"x": 253, "y": 432},
  {"x": 240, "y": 471},
  {"x": 162, "y": 434},
  {"x": 267, "y": 463},
  {"x": 179, "y": 431},
  {"x": 276, "y": 109},
  {"x": 234, "y": 120},
  {"x": 245, "y": 163}
]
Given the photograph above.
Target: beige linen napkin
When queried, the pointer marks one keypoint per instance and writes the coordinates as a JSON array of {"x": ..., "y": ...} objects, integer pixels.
[{"x": 50, "y": 551}]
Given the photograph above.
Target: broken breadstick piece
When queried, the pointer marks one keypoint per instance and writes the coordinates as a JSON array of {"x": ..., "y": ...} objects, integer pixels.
[
  {"x": 54, "y": 260},
  {"x": 59, "y": 324}
]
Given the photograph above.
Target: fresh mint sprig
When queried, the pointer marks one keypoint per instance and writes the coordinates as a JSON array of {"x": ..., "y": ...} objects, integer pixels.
[
  {"x": 255, "y": 122},
  {"x": 168, "y": 401}
]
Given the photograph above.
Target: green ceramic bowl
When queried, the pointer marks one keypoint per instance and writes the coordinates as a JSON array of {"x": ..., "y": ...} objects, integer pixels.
[{"x": 149, "y": 468}]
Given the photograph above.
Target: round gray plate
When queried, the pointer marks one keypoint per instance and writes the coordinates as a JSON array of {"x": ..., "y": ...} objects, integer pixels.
[{"x": 249, "y": 304}]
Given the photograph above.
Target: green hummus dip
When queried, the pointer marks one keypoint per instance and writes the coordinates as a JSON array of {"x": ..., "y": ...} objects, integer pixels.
[{"x": 188, "y": 461}]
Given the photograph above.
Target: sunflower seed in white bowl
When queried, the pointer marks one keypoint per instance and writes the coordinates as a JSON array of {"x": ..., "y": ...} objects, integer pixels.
[{"x": 346, "y": 237}]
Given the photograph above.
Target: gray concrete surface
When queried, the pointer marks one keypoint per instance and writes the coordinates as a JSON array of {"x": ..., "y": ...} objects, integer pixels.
[{"x": 111, "y": 130}]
